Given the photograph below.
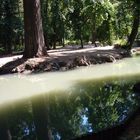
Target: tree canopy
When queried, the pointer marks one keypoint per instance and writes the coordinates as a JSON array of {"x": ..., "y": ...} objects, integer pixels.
[{"x": 71, "y": 22}]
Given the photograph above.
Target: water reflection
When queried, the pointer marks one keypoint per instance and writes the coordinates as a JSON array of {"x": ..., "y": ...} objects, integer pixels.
[
  {"x": 88, "y": 107},
  {"x": 27, "y": 86}
]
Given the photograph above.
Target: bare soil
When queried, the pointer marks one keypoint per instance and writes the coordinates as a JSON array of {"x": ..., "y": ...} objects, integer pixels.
[{"x": 61, "y": 59}]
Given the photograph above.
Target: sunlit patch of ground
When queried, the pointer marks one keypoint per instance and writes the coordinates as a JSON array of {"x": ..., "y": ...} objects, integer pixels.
[
  {"x": 62, "y": 59},
  {"x": 59, "y": 52}
]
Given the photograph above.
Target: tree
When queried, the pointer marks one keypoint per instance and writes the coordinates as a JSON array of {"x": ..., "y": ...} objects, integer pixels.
[
  {"x": 77, "y": 20},
  {"x": 9, "y": 24},
  {"x": 99, "y": 16},
  {"x": 4, "y": 128},
  {"x": 135, "y": 26},
  {"x": 45, "y": 20},
  {"x": 56, "y": 21},
  {"x": 40, "y": 118},
  {"x": 34, "y": 39}
]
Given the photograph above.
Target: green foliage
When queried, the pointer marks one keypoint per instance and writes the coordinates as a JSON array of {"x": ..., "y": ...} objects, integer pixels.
[
  {"x": 121, "y": 42},
  {"x": 81, "y": 21},
  {"x": 11, "y": 25},
  {"x": 89, "y": 107}
]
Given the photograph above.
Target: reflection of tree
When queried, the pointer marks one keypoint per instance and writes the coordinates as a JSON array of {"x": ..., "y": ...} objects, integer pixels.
[
  {"x": 107, "y": 104},
  {"x": 40, "y": 117},
  {"x": 67, "y": 114},
  {"x": 5, "y": 133},
  {"x": 20, "y": 120},
  {"x": 104, "y": 105}
]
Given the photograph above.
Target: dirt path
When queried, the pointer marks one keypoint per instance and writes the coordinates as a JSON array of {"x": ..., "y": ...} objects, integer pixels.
[
  {"x": 61, "y": 59},
  {"x": 69, "y": 50}
]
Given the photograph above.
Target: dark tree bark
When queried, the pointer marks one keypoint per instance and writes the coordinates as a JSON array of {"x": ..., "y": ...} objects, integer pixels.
[
  {"x": 94, "y": 31},
  {"x": 44, "y": 13},
  {"x": 34, "y": 39},
  {"x": 4, "y": 129},
  {"x": 40, "y": 114},
  {"x": 63, "y": 34},
  {"x": 81, "y": 40},
  {"x": 94, "y": 38},
  {"x": 9, "y": 14},
  {"x": 135, "y": 27},
  {"x": 54, "y": 41}
]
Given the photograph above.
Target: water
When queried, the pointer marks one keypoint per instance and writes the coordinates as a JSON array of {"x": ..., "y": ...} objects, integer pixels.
[{"x": 69, "y": 104}]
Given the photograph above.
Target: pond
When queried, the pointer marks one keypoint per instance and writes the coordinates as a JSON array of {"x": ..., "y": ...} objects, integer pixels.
[{"x": 69, "y": 105}]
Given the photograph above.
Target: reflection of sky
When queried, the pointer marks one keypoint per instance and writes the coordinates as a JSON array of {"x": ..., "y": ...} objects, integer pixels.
[
  {"x": 123, "y": 117},
  {"x": 86, "y": 123},
  {"x": 58, "y": 137}
]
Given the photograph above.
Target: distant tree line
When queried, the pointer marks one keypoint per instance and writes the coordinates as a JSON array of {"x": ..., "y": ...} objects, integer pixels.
[{"x": 72, "y": 22}]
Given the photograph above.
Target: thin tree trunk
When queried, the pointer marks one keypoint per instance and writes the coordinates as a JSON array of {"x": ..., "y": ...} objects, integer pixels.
[
  {"x": 54, "y": 41},
  {"x": 34, "y": 39},
  {"x": 94, "y": 38},
  {"x": 4, "y": 129},
  {"x": 94, "y": 29},
  {"x": 44, "y": 10},
  {"x": 63, "y": 38},
  {"x": 46, "y": 34},
  {"x": 63, "y": 42},
  {"x": 81, "y": 40},
  {"x": 46, "y": 41},
  {"x": 8, "y": 28},
  {"x": 135, "y": 27}
]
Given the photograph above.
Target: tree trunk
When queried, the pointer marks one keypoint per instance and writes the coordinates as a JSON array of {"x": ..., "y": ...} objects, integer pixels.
[
  {"x": 40, "y": 114},
  {"x": 94, "y": 30},
  {"x": 34, "y": 39},
  {"x": 94, "y": 38},
  {"x": 46, "y": 41},
  {"x": 8, "y": 27},
  {"x": 135, "y": 27},
  {"x": 4, "y": 130},
  {"x": 44, "y": 13},
  {"x": 81, "y": 40},
  {"x": 54, "y": 41},
  {"x": 63, "y": 36}
]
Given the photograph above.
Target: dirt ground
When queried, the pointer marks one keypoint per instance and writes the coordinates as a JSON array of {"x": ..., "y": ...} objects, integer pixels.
[{"x": 64, "y": 59}]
